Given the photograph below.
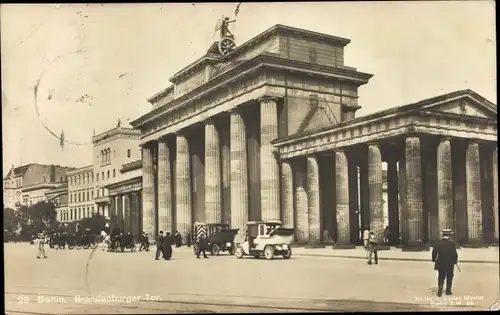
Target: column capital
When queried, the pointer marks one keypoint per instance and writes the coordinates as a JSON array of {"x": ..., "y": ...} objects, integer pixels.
[
  {"x": 373, "y": 143},
  {"x": 209, "y": 121},
  {"x": 267, "y": 98}
]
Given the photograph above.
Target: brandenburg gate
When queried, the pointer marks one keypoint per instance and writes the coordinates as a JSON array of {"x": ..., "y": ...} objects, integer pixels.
[{"x": 267, "y": 130}]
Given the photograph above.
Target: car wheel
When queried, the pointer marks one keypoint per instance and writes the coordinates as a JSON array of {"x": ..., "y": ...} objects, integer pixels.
[
  {"x": 287, "y": 253},
  {"x": 239, "y": 253},
  {"x": 269, "y": 252},
  {"x": 215, "y": 250}
]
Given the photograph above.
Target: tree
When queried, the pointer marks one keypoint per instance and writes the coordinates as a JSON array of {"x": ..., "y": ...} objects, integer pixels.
[
  {"x": 11, "y": 221},
  {"x": 95, "y": 223}
]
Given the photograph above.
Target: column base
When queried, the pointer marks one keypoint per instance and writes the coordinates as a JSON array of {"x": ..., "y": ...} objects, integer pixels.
[
  {"x": 475, "y": 245},
  {"x": 314, "y": 245},
  {"x": 415, "y": 248},
  {"x": 343, "y": 246},
  {"x": 494, "y": 244}
]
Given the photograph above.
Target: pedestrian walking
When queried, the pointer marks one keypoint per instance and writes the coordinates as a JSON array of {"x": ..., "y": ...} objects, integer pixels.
[
  {"x": 167, "y": 246},
  {"x": 159, "y": 245},
  {"x": 366, "y": 238},
  {"x": 372, "y": 247},
  {"x": 202, "y": 245},
  {"x": 144, "y": 242},
  {"x": 41, "y": 240},
  {"x": 178, "y": 239},
  {"x": 445, "y": 257}
]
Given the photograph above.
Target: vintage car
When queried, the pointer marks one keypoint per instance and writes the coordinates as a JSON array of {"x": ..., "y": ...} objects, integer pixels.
[
  {"x": 268, "y": 238},
  {"x": 219, "y": 237}
]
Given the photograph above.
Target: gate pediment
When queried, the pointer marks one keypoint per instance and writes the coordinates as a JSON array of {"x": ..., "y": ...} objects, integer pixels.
[{"x": 465, "y": 106}]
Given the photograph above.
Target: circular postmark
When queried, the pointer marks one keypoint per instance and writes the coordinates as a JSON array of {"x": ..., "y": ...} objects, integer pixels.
[{"x": 54, "y": 98}]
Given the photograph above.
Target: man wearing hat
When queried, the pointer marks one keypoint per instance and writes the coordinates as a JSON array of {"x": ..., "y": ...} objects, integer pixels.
[{"x": 445, "y": 256}]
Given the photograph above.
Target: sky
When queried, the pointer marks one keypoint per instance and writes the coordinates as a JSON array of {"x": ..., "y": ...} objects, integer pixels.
[{"x": 93, "y": 64}]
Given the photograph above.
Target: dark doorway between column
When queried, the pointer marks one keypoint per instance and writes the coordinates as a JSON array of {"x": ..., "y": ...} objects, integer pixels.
[
  {"x": 458, "y": 149},
  {"x": 251, "y": 116},
  {"x": 326, "y": 164},
  {"x": 486, "y": 160},
  {"x": 197, "y": 172},
  {"x": 222, "y": 122}
]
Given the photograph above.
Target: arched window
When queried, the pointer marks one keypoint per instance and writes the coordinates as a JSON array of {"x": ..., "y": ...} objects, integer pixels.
[
  {"x": 92, "y": 194},
  {"x": 128, "y": 153},
  {"x": 88, "y": 195},
  {"x": 103, "y": 178},
  {"x": 97, "y": 176},
  {"x": 114, "y": 173}
]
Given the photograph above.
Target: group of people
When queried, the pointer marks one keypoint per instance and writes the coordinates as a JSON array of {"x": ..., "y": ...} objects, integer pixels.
[{"x": 164, "y": 244}]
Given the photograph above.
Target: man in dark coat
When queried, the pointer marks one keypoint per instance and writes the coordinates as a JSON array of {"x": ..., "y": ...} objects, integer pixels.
[
  {"x": 167, "y": 247},
  {"x": 159, "y": 245},
  {"x": 178, "y": 239},
  {"x": 445, "y": 256},
  {"x": 202, "y": 245}
]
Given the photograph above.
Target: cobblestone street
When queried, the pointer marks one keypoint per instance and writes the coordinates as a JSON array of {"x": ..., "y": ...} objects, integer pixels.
[{"x": 64, "y": 282}]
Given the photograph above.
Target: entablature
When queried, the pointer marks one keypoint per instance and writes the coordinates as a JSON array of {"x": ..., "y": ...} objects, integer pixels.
[
  {"x": 231, "y": 83},
  {"x": 363, "y": 130}
]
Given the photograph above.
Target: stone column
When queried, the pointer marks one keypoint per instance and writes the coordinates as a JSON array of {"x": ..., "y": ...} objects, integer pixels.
[
  {"x": 128, "y": 213},
  {"x": 301, "y": 203},
  {"x": 148, "y": 201},
  {"x": 414, "y": 195},
  {"x": 445, "y": 186},
  {"x": 287, "y": 189},
  {"x": 213, "y": 192},
  {"x": 165, "y": 209},
  {"x": 354, "y": 198},
  {"x": 269, "y": 170},
  {"x": 135, "y": 215},
  {"x": 238, "y": 171},
  {"x": 375, "y": 191},
  {"x": 119, "y": 211},
  {"x": 342, "y": 201},
  {"x": 495, "y": 193},
  {"x": 392, "y": 199},
  {"x": 183, "y": 186},
  {"x": 473, "y": 184},
  {"x": 313, "y": 203}
]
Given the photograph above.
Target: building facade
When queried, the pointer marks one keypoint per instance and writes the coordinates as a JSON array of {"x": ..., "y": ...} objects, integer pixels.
[
  {"x": 126, "y": 199},
  {"x": 59, "y": 198},
  {"x": 112, "y": 149},
  {"x": 33, "y": 194},
  {"x": 269, "y": 131},
  {"x": 29, "y": 175},
  {"x": 81, "y": 194}
]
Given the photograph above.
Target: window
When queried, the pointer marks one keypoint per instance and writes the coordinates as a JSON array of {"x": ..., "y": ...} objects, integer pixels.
[
  {"x": 88, "y": 195},
  {"x": 108, "y": 173},
  {"x": 92, "y": 194},
  {"x": 128, "y": 153},
  {"x": 97, "y": 192},
  {"x": 102, "y": 175},
  {"x": 102, "y": 192},
  {"x": 313, "y": 55},
  {"x": 114, "y": 173},
  {"x": 79, "y": 197},
  {"x": 97, "y": 176}
]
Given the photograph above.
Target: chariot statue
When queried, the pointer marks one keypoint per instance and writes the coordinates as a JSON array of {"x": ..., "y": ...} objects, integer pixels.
[{"x": 226, "y": 41}]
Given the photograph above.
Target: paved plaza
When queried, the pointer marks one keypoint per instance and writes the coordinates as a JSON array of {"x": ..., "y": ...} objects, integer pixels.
[{"x": 72, "y": 282}]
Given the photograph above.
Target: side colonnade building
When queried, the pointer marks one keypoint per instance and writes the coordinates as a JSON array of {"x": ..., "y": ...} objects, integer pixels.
[{"x": 268, "y": 131}]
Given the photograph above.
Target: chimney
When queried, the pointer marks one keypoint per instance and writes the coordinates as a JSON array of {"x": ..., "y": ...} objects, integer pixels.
[{"x": 52, "y": 173}]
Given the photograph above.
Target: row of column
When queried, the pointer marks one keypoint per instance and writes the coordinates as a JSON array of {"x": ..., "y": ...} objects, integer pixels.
[
  {"x": 125, "y": 212},
  {"x": 304, "y": 213},
  {"x": 181, "y": 210}
]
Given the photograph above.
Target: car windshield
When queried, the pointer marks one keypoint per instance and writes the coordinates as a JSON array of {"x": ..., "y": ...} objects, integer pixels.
[{"x": 271, "y": 227}]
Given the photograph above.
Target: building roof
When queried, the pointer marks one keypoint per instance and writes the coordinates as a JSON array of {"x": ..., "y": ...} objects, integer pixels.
[
  {"x": 43, "y": 186},
  {"x": 210, "y": 56},
  {"x": 21, "y": 170},
  {"x": 134, "y": 165},
  {"x": 114, "y": 131},
  {"x": 408, "y": 108},
  {"x": 88, "y": 168}
]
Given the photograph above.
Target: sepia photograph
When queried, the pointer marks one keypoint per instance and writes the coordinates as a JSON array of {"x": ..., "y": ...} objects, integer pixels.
[{"x": 239, "y": 157}]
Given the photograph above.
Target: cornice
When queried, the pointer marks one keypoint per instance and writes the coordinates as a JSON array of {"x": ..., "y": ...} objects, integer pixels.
[
  {"x": 164, "y": 92},
  {"x": 264, "y": 60},
  {"x": 115, "y": 131},
  {"x": 85, "y": 169}
]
